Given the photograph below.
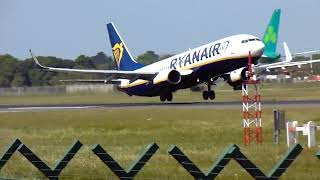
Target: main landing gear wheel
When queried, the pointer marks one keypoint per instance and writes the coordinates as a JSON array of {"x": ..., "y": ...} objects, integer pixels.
[
  {"x": 205, "y": 95},
  {"x": 169, "y": 97},
  {"x": 162, "y": 98},
  {"x": 166, "y": 96},
  {"x": 210, "y": 94}
]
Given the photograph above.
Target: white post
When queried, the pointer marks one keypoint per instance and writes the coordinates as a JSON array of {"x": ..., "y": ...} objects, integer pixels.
[
  {"x": 295, "y": 133},
  {"x": 308, "y": 130},
  {"x": 288, "y": 124},
  {"x": 292, "y": 134},
  {"x": 311, "y": 134}
]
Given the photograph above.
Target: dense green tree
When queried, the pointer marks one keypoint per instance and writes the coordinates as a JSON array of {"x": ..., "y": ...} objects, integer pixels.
[
  {"x": 300, "y": 58},
  {"x": 148, "y": 57},
  {"x": 7, "y": 70},
  {"x": 102, "y": 61},
  {"x": 21, "y": 77},
  {"x": 20, "y": 80},
  {"x": 316, "y": 66},
  {"x": 84, "y": 62},
  {"x": 165, "y": 56},
  {"x": 100, "y": 58},
  {"x": 14, "y": 72},
  {"x": 316, "y": 56}
]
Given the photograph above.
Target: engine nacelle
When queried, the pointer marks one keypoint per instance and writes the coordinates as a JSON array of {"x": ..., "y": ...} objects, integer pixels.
[
  {"x": 171, "y": 76},
  {"x": 239, "y": 75}
]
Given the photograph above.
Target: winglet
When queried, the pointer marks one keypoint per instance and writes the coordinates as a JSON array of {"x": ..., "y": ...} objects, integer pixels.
[
  {"x": 37, "y": 61},
  {"x": 287, "y": 52}
]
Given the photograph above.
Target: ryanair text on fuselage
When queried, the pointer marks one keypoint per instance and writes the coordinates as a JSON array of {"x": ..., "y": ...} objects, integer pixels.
[{"x": 198, "y": 55}]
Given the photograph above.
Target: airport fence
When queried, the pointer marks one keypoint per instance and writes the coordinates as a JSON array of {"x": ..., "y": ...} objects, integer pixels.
[
  {"x": 232, "y": 152},
  {"x": 65, "y": 89}
]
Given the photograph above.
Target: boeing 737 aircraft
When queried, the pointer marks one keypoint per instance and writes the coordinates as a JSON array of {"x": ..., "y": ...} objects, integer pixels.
[{"x": 226, "y": 58}]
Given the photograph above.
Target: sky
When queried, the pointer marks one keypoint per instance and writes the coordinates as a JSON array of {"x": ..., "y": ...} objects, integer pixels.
[{"x": 69, "y": 28}]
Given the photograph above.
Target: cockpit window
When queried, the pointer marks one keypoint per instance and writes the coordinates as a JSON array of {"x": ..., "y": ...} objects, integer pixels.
[{"x": 247, "y": 40}]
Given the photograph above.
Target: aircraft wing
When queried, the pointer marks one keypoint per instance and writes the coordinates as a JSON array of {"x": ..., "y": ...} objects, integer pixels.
[
  {"x": 288, "y": 54},
  {"x": 111, "y": 74},
  {"x": 92, "y": 81},
  {"x": 286, "y": 63},
  {"x": 306, "y": 52},
  {"x": 267, "y": 67},
  {"x": 297, "y": 63}
]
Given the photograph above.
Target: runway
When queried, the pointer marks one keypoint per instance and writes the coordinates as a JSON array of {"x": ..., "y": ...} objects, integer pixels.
[{"x": 216, "y": 105}]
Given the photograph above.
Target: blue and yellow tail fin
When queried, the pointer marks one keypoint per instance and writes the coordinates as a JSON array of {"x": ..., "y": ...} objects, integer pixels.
[
  {"x": 270, "y": 37},
  {"x": 122, "y": 56}
]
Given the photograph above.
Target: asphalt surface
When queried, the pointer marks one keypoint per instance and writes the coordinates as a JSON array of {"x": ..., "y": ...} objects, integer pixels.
[{"x": 209, "y": 104}]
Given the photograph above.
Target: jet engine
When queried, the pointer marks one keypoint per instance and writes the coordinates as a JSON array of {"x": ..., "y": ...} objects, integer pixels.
[
  {"x": 171, "y": 76},
  {"x": 236, "y": 78},
  {"x": 239, "y": 75}
]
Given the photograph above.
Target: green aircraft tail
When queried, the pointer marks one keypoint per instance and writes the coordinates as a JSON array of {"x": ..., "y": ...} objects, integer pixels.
[{"x": 270, "y": 37}]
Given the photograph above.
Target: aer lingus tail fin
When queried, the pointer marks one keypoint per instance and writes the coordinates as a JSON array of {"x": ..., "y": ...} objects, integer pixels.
[{"x": 270, "y": 37}]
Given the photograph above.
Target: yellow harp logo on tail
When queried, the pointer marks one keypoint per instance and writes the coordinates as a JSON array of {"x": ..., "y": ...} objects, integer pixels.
[{"x": 118, "y": 52}]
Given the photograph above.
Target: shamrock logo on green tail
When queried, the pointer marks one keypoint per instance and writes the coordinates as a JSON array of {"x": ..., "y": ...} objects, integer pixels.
[{"x": 271, "y": 36}]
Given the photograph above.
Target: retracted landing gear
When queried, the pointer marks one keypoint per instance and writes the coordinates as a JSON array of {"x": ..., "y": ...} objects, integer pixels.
[
  {"x": 166, "y": 96},
  {"x": 210, "y": 94}
]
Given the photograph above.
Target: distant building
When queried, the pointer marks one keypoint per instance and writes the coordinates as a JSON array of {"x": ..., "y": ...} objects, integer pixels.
[
  {"x": 315, "y": 77},
  {"x": 282, "y": 78}
]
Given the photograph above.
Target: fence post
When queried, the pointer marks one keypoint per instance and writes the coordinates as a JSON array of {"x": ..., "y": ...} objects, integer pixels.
[
  {"x": 311, "y": 129},
  {"x": 276, "y": 129},
  {"x": 279, "y": 122}
]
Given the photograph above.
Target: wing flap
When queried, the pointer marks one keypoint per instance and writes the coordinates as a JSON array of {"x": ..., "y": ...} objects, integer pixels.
[{"x": 92, "y": 81}]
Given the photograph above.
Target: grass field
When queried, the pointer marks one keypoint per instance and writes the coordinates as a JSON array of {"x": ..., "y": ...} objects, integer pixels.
[
  {"x": 202, "y": 134},
  {"x": 274, "y": 92}
]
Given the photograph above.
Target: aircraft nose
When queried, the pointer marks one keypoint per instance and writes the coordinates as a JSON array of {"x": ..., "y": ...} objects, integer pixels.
[{"x": 257, "y": 49}]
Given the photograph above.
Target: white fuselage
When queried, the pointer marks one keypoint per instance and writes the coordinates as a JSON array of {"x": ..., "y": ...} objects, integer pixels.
[{"x": 233, "y": 47}]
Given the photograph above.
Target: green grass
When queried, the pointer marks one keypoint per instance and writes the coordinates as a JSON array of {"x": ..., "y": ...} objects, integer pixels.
[
  {"x": 202, "y": 134},
  {"x": 274, "y": 92}
]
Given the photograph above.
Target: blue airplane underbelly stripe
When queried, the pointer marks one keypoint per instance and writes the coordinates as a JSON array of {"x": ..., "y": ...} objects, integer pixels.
[{"x": 204, "y": 73}]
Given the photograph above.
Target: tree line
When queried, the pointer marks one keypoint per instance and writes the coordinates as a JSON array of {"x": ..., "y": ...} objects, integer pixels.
[{"x": 19, "y": 73}]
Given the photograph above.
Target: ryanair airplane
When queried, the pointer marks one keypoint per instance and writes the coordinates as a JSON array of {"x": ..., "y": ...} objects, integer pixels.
[{"x": 226, "y": 58}]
